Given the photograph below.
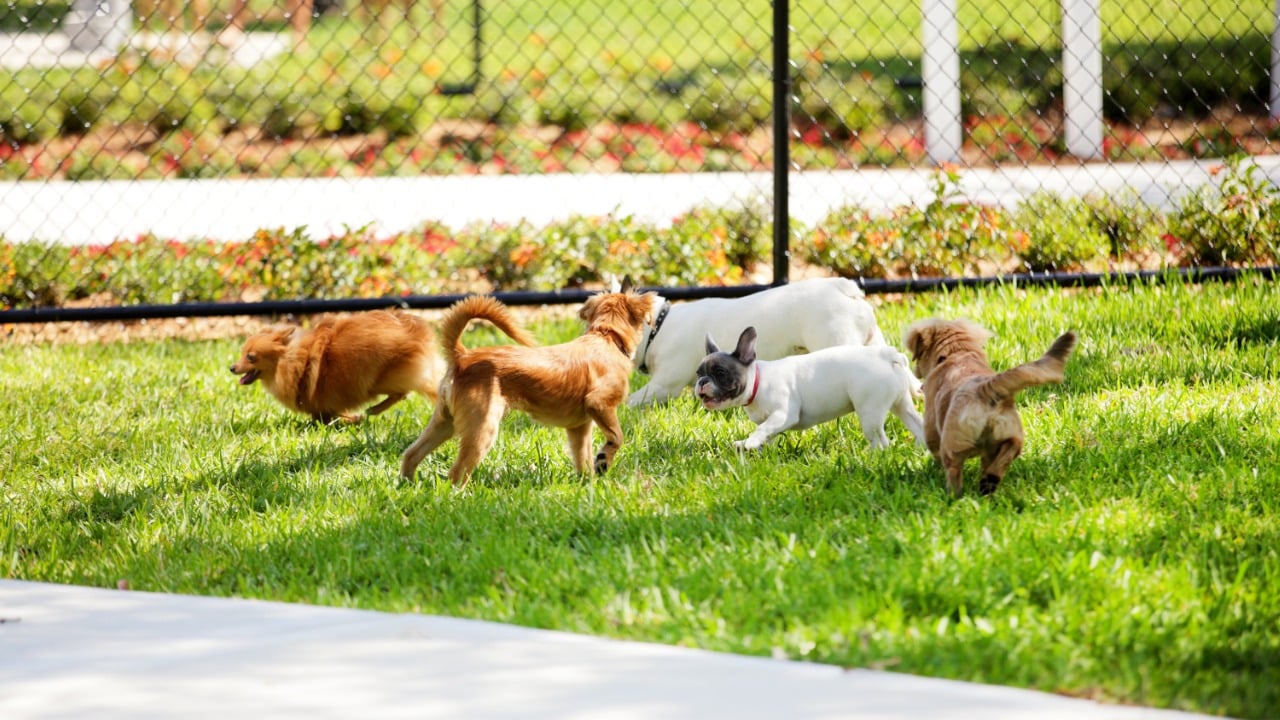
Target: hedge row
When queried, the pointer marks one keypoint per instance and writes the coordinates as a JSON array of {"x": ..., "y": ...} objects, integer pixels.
[{"x": 1235, "y": 221}]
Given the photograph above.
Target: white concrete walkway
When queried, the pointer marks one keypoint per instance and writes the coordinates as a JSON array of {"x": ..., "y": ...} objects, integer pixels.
[
  {"x": 71, "y": 652},
  {"x": 41, "y": 50},
  {"x": 101, "y": 211}
]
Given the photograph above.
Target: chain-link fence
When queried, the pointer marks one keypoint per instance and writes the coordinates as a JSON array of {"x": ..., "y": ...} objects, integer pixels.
[{"x": 223, "y": 151}]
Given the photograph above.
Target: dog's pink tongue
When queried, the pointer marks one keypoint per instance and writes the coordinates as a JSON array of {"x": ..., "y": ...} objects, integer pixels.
[{"x": 249, "y": 377}]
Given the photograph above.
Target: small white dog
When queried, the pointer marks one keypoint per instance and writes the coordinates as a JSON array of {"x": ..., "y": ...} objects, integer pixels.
[
  {"x": 804, "y": 390},
  {"x": 803, "y": 316}
]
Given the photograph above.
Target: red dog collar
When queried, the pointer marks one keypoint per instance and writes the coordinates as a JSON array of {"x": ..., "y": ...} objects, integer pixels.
[{"x": 755, "y": 387}]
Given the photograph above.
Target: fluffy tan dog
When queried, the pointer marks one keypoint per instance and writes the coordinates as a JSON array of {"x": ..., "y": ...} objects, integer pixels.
[
  {"x": 574, "y": 385},
  {"x": 339, "y": 365},
  {"x": 968, "y": 407}
]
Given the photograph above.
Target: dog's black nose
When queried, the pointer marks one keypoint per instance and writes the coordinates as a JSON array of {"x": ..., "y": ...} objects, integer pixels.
[{"x": 232, "y": 367}]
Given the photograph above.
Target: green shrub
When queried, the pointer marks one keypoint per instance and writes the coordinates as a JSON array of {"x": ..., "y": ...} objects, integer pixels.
[
  {"x": 1132, "y": 227},
  {"x": 164, "y": 96},
  {"x": 746, "y": 230},
  {"x": 84, "y": 106},
  {"x": 952, "y": 236},
  {"x": 852, "y": 242},
  {"x": 706, "y": 246},
  {"x": 96, "y": 165},
  {"x": 949, "y": 236},
  {"x": 567, "y": 103},
  {"x": 1235, "y": 221},
  {"x": 1192, "y": 74},
  {"x": 735, "y": 103},
  {"x": 33, "y": 274},
  {"x": 1009, "y": 76},
  {"x": 844, "y": 106},
  {"x": 1061, "y": 233},
  {"x": 30, "y": 111}
]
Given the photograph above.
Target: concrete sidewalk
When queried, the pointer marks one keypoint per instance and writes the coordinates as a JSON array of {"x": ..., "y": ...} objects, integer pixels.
[
  {"x": 72, "y": 652},
  {"x": 53, "y": 49},
  {"x": 98, "y": 212}
]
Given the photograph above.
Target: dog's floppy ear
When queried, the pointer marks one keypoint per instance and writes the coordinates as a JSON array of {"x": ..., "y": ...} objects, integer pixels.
[
  {"x": 640, "y": 307},
  {"x": 746, "y": 350},
  {"x": 912, "y": 340},
  {"x": 588, "y": 309}
]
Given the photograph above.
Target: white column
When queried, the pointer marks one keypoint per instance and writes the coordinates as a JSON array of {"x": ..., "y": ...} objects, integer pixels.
[
  {"x": 943, "y": 132},
  {"x": 92, "y": 25},
  {"x": 1275, "y": 65},
  {"x": 1082, "y": 77}
]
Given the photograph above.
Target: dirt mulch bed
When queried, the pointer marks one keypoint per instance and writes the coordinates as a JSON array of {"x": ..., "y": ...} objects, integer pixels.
[{"x": 201, "y": 328}]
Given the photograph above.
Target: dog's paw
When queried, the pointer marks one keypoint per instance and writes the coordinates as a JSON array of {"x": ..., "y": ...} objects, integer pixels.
[
  {"x": 746, "y": 445},
  {"x": 988, "y": 484},
  {"x": 602, "y": 463}
]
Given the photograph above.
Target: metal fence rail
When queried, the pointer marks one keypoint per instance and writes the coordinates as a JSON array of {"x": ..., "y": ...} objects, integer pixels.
[{"x": 155, "y": 124}]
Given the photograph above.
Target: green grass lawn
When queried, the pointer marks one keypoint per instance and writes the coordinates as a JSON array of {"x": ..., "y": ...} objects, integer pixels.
[
  {"x": 1132, "y": 554},
  {"x": 696, "y": 32}
]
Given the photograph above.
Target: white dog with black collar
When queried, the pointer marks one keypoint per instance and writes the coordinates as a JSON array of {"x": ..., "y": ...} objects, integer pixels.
[{"x": 802, "y": 316}]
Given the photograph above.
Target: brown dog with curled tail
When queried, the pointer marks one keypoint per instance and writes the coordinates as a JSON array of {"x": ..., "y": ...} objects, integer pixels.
[
  {"x": 575, "y": 385},
  {"x": 968, "y": 407}
]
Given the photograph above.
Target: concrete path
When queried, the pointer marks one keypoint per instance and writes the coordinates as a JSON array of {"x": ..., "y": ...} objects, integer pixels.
[
  {"x": 41, "y": 50},
  {"x": 101, "y": 211},
  {"x": 72, "y": 652}
]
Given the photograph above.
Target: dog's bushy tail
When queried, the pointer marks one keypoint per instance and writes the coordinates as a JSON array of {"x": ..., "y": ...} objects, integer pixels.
[
  {"x": 1048, "y": 369},
  {"x": 476, "y": 307}
]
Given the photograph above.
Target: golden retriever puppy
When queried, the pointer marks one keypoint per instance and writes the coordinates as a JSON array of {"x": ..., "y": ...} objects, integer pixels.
[
  {"x": 968, "y": 407},
  {"x": 336, "y": 367},
  {"x": 574, "y": 385}
]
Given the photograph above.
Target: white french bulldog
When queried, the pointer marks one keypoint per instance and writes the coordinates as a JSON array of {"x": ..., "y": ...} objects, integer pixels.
[
  {"x": 804, "y": 390},
  {"x": 802, "y": 316}
]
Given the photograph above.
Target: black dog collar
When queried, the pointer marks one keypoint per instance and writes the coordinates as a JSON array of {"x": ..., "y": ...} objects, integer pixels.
[{"x": 657, "y": 323}]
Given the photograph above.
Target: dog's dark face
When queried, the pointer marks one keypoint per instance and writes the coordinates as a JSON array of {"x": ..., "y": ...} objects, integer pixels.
[
  {"x": 261, "y": 353},
  {"x": 722, "y": 376}
]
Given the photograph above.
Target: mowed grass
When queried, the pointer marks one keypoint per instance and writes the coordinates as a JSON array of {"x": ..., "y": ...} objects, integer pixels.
[
  {"x": 705, "y": 33},
  {"x": 1132, "y": 554},
  {"x": 569, "y": 44}
]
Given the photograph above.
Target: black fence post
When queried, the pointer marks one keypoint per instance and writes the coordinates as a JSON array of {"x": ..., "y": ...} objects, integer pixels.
[
  {"x": 781, "y": 142},
  {"x": 477, "y": 44}
]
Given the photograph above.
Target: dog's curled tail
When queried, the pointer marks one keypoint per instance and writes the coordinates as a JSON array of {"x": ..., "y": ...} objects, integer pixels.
[
  {"x": 1048, "y": 369},
  {"x": 902, "y": 369},
  {"x": 477, "y": 307}
]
